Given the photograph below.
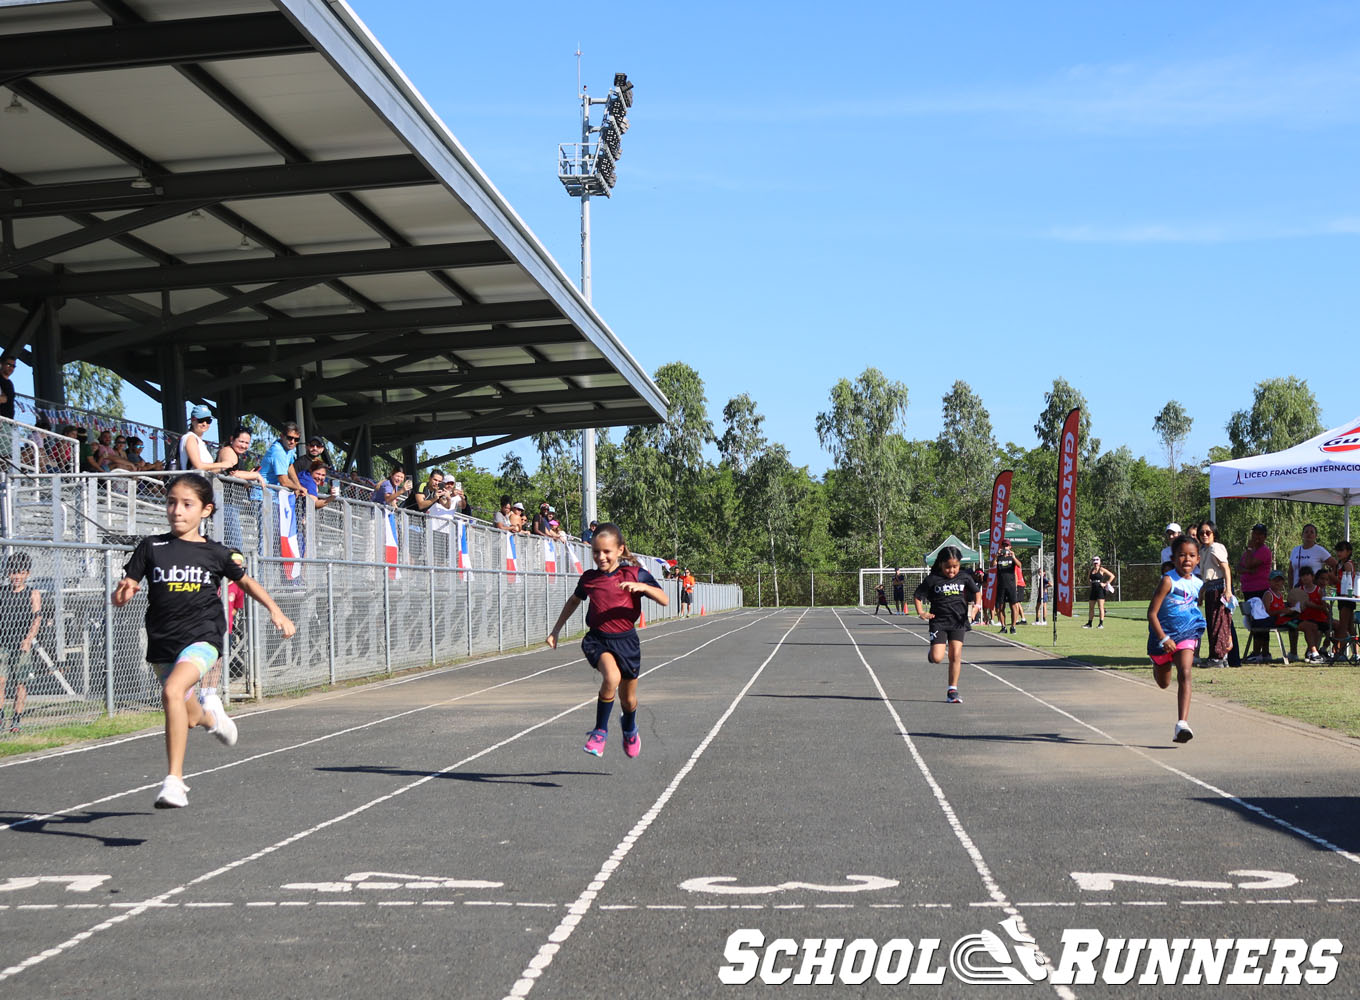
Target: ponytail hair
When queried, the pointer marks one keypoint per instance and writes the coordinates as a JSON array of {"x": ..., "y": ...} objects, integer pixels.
[
  {"x": 610, "y": 528},
  {"x": 944, "y": 555}
]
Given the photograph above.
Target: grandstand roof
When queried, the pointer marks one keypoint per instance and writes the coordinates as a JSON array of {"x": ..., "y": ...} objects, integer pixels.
[{"x": 258, "y": 182}]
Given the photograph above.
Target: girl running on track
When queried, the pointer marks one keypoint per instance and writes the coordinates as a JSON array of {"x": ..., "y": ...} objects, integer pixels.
[
  {"x": 1175, "y": 624},
  {"x": 953, "y": 597},
  {"x": 615, "y": 590},
  {"x": 184, "y": 620}
]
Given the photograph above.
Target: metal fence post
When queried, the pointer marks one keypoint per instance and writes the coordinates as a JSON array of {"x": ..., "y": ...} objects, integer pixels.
[
  {"x": 467, "y": 608},
  {"x": 387, "y": 622},
  {"x": 253, "y": 636},
  {"x": 108, "y": 634},
  {"x": 760, "y": 593},
  {"x": 430, "y": 570},
  {"x": 500, "y": 617},
  {"x": 330, "y": 618},
  {"x": 525, "y": 602}
]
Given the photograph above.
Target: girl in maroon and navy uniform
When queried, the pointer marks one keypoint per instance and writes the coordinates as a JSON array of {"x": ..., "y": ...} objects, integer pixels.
[{"x": 615, "y": 591}]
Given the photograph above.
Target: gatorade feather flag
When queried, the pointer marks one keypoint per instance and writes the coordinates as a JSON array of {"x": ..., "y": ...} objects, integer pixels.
[
  {"x": 1065, "y": 549},
  {"x": 391, "y": 550},
  {"x": 1001, "y": 504},
  {"x": 464, "y": 558},
  {"x": 550, "y": 557},
  {"x": 511, "y": 556},
  {"x": 288, "y": 537}
]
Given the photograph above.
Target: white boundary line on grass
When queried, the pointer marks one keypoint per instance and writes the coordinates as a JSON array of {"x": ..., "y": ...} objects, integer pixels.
[
  {"x": 583, "y": 903},
  {"x": 974, "y": 854},
  {"x": 157, "y": 902},
  {"x": 1221, "y": 793},
  {"x": 39, "y": 818},
  {"x": 376, "y": 684}
]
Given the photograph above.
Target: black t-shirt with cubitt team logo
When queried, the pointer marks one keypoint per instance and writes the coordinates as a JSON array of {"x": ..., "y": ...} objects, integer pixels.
[
  {"x": 949, "y": 599},
  {"x": 183, "y": 602}
]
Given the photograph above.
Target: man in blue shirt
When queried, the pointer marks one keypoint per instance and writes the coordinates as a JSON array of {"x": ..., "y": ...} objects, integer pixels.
[{"x": 277, "y": 467}]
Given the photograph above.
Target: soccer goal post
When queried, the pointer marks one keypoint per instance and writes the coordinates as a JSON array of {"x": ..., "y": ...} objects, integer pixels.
[{"x": 871, "y": 576}]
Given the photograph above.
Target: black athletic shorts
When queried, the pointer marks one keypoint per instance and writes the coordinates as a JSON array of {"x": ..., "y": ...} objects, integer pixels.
[
  {"x": 686, "y": 597},
  {"x": 1006, "y": 592},
  {"x": 1098, "y": 592},
  {"x": 624, "y": 645},
  {"x": 942, "y": 635}
]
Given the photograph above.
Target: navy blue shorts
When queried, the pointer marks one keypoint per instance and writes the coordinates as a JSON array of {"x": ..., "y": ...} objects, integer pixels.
[
  {"x": 624, "y": 646},
  {"x": 940, "y": 636}
]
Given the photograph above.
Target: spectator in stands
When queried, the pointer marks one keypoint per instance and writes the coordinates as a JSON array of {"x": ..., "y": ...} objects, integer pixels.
[
  {"x": 588, "y": 535},
  {"x": 138, "y": 461},
  {"x": 106, "y": 454},
  {"x": 518, "y": 518},
  {"x": 393, "y": 488},
  {"x": 429, "y": 493},
  {"x": 541, "y": 519},
  {"x": 6, "y": 388},
  {"x": 193, "y": 450},
  {"x": 459, "y": 500},
  {"x": 1253, "y": 573},
  {"x": 316, "y": 449},
  {"x": 237, "y": 452},
  {"x": 277, "y": 467},
  {"x": 60, "y": 453},
  {"x": 87, "y": 461},
  {"x": 314, "y": 482},
  {"x": 502, "y": 518}
]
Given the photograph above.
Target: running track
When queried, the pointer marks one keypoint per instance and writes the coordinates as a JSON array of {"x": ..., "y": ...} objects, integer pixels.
[{"x": 443, "y": 835}]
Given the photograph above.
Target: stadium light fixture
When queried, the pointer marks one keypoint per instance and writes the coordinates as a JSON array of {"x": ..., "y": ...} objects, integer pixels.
[{"x": 589, "y": 168}]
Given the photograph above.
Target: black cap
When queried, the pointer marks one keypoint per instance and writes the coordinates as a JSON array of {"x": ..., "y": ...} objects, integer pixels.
[
  {"x": 1258, "y": 526},
  {"x": 316, "y": 440}
]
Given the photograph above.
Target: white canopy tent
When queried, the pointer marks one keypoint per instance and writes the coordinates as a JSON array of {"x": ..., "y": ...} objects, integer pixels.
[{"x": 1323, "y": 469}]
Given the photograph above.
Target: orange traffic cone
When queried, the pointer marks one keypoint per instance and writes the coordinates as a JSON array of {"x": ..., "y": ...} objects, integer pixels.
[
  {"x": 642, "y": 619},
  {"x": 701, "y": 610}
]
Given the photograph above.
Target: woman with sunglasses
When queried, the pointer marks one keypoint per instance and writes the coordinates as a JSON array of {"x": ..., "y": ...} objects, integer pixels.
[
  {"x": 1217, "y": 576},
  {"x": 193, "y": 450}
]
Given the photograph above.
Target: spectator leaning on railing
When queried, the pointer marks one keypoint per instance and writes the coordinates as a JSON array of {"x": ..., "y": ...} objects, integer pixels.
[
  {"x": 193, "y": 451},
  {"x": 316, "y": 449},
  {"x": 277, "y": 467},
  {"x": 393, "y": 488},
  {"x": 6, "y": 388},
  {"x": 427, "y": 496},
  {"x": 518, "y": 519},
  {"x": 502, "y": 519}
]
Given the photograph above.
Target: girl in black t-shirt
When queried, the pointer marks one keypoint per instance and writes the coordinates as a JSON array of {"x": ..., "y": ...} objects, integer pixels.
[
  {"x": 184, "y": 619},
  {"x": 953, "y": 598}
]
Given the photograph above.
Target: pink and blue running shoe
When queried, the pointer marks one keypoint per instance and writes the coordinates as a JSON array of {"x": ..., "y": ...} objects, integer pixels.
[
  {"x": 632, "y": 743},
  {"x": 595, "y": 742}
]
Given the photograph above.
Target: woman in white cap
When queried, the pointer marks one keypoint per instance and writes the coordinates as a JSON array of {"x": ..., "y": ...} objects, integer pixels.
[
  {"x": 1101, "y": 580},
  {"x": 194, "y": 455},
  {"x": 1172, "y": 532}
]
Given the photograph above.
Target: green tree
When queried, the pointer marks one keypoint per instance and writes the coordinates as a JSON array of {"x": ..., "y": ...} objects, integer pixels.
[
  {"x": 967, "y": 452},
  {"x": 1111, "y": 479},
  {"x": 559, "y": 470},
  {"x": 90, "y": 387},
  {"x": 741, "y": 443},
  {"x": 513, "y": 479},
  {"x": 1172, "y": 425},
  {"x": 856, "y": 429}
]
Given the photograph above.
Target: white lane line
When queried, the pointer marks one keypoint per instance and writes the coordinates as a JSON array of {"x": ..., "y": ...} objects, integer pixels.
[
  {"x": 583, "y": 903},
  {"x": 970, "y": 848},
  {"x": 691, "y": 907},
  {"x": 376, "y": 684},
  {"x": 41, "y": 818},
  {"x": 1229, "y": 796},
  {"x": 169, "y": 894}
]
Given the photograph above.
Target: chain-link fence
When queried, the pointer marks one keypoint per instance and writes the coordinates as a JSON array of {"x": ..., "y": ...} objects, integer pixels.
[{"x": 75, "y": 657}]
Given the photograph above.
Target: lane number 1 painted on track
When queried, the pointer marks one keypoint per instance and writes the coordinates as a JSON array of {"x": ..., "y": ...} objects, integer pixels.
[{"x": 74, "y": 883}]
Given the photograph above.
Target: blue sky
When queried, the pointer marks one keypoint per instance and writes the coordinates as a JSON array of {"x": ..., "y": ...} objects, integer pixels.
[{"x": 1155, "y": 201}]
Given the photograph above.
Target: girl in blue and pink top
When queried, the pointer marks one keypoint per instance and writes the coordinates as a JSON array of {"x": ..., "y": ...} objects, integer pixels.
[
  {"x": 615, "y": 589},
  {"x": 1175, "y": 624}
]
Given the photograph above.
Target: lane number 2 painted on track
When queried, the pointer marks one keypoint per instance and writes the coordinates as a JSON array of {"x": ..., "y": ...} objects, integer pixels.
[{"x": 1257, "y": 879}]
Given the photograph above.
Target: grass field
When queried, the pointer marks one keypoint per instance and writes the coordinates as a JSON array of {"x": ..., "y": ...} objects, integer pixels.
[{"x": 1323, "y": 696}]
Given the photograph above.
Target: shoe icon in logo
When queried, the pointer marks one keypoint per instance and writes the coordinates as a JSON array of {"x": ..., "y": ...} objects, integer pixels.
[{"x": 985, "y": 959}]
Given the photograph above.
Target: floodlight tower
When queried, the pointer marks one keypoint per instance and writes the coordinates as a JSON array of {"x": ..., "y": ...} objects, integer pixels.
[{"x": 588, "y": 168}]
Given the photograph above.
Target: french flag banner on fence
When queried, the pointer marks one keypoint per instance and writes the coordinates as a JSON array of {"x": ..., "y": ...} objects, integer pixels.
[
  {"x": 391, "y": 550},
  {"x": 576, "y": 566},
  {"x": 550, "y": 556},
  {"x": 1064, "y": 548},
  {"x": 464, "y": 557},
  {"x": 288, "y": 537},
  {"x": 1001, "y": 504},
  {"x": 511, "y": 556}
]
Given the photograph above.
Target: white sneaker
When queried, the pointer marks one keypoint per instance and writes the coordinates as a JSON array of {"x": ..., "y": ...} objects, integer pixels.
[
  {"x": 223, "y": 728},
  {"x": 1183, "y": 733},
  {"x": 173, "y": 794}
]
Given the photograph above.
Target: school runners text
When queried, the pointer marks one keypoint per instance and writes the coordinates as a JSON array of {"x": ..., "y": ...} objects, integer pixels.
[{"x": 1087, "y": 957}]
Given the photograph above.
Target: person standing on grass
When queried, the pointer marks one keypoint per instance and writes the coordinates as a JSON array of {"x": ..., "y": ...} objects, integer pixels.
[
  {"x": 899, "y": 582},
  {"x": 1253, "y": 573},
  {"x": 1217, "y": 594},
  {"x": 1041, "y": 598},
  {"x": 953, "y": 599},
  {"x": 1175, "y": 624},
  {"x": 614, "y": 590},
  {"x": 1101, "y": 584},
  {"x": 184, "y": 619}
]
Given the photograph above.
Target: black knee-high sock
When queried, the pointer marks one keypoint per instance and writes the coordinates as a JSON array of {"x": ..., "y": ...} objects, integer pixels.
[
  {"x": 603, "y": 709},
  {"x": 629, "y": 720}
]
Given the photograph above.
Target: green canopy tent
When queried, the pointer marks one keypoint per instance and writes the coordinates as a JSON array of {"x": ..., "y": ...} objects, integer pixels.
[
  {"x": 971, "y": 557},
  {"x": 1021, "y": 535}
]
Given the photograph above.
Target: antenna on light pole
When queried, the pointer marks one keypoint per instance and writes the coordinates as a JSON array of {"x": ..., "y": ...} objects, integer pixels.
[{"x": 588, "y": 168}]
